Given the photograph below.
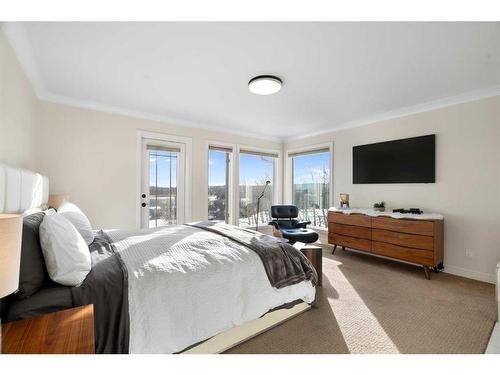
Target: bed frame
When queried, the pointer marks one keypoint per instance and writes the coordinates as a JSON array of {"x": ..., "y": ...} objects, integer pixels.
[
  {"x": 22, "y": 191},
  {"x": 237, "y": 335}
]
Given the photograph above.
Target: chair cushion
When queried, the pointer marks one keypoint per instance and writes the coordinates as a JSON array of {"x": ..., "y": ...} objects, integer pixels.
[
  {"x": 286, "y": 224},
  {"x": 284, "y": 211},
  {"x": 300, "y": 235}
]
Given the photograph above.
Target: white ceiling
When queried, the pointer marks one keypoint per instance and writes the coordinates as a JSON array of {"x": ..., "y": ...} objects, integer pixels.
[{"x": 335, "y": 74}]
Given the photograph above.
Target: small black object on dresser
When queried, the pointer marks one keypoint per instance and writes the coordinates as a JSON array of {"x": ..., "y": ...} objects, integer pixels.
[{"x": 416, "y": 211}]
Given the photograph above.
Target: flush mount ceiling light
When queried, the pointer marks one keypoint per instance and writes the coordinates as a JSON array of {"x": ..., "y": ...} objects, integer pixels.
[{"x": 264, "y": 85}]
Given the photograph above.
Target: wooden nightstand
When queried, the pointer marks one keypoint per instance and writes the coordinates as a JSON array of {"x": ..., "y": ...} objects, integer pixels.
[
  {"x": 64, "y": 332},
  {"x": 315, "y": 255}
]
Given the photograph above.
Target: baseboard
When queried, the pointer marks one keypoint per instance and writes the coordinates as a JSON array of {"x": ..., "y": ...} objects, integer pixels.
[
  {"x": 476, "y": 275},
  {"x": 452, "y": 270},
  {"x": 494, "y": 343}
]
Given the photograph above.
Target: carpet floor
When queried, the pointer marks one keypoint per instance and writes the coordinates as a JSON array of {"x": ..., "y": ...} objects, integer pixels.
[{"x": 373, "y": 305}]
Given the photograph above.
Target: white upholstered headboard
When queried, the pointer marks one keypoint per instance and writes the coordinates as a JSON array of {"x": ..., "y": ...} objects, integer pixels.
[{"x": 22, "y": 190}]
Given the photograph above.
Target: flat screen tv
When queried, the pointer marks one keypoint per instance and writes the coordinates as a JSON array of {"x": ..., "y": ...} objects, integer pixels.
[{"x": 410, "y": 160}]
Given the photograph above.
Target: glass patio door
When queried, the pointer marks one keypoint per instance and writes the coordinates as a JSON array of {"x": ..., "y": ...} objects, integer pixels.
[{"x": 162, "y": 196}]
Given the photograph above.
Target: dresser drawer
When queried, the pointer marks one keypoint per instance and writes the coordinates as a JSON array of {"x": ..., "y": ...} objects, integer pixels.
[
  {"x": 418, "y": 256},
  {"x": 352, "y": 219},
  {"x": 422, "y": 227},
  {"x": 354, "y": 243},
  {"x": 350, "y": 230},
  {"x": 403, "y": 239}
]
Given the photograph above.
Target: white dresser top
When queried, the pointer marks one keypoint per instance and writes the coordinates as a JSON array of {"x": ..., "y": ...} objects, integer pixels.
[{"x": 388, "y": 213}]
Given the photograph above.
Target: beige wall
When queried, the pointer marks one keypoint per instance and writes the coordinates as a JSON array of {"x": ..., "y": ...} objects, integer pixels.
[
  {"x": 92, "y": 156},
  {"x": 18, "y": 107},
  {"x": 467, "y": 188}
]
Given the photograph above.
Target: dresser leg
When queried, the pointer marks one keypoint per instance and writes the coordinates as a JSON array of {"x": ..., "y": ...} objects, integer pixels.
[
  {"x": 427, "y": 273},
  {"x": 334, "y": 248},
  {"x": 343, "y": 248}
]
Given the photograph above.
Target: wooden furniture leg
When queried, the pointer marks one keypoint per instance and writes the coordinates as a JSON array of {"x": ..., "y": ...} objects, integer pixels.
[
  {"x": 343, "y": 248},
  {"x": 427, "y": 273},
  {"x": 334, "y": 248}
]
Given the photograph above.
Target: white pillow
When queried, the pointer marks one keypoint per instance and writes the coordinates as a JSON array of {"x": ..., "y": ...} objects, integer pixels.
[
  {"x": 67, "y": 256},
  {"x": 82, "y": 224}
]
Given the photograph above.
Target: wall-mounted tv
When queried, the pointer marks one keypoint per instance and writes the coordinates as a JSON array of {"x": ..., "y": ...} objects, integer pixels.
[{"x": 410, "y": 160}]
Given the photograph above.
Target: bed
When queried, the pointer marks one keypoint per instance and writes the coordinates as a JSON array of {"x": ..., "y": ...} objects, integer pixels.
[{"x": 195, "y": 288}]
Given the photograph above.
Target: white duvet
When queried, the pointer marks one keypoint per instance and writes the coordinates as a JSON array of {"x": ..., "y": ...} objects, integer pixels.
[{"x": 186, "y": 284}]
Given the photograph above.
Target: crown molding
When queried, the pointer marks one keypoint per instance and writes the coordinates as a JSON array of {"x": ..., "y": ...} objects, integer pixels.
[
  {"x": 19, "y": 41},
  {"x": 168, "y": 120},
  {"x": 406, "y": 111},
  {"x": 383, "y": 116}
]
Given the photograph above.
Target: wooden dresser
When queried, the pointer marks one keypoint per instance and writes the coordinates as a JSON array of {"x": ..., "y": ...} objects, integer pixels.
[{"x": 412, "y": 240}]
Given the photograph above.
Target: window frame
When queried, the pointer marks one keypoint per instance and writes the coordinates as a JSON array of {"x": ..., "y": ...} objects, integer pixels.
[
  {"x": 188, "y": 168},
  {"x": 230, "y": 178},
  {"x": 288, "y": 180},
  {"x": 277, "y": 174},
  {"x": 237, "y": 148},
  {"x": 180, "y": 150}
]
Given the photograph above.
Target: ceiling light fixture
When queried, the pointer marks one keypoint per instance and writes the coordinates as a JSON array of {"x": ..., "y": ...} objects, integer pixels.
[{"x": 265, "y": 85}]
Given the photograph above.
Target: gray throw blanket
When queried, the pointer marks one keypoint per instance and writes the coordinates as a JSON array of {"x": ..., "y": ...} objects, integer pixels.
[
  {"x": 284, "y": 264},
  {"x": 106, "y": 287}
]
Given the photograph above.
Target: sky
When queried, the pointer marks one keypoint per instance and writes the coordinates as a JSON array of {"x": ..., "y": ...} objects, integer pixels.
[
  {"x": 309, "y": 167},
  {"x": 254, "y": 170},
  {"x": 164, "y": 171},
  {"x": 216, "y": 168}
]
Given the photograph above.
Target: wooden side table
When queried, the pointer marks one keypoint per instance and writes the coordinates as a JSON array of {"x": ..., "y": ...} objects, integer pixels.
[
  {"x": 315, "y": 255},
  {"x": 68, "y": 331}
]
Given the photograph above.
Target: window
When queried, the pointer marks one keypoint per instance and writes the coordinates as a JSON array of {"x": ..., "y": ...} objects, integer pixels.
[
  {"x": 311, "y": 185},
  {"x": 162, "y": 186},
  {"x": 219, "y": 194},
  {"x": 164, "y": 168},
  {"x": 255, "y": 168}
]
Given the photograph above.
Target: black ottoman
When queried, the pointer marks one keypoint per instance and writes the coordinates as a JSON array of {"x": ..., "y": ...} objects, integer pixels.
[{"x": 300, "y": 235}]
